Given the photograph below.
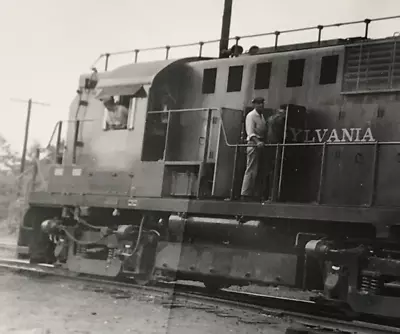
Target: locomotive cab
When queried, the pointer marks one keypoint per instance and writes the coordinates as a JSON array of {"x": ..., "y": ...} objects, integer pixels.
[{"x": 168, "y": 148}]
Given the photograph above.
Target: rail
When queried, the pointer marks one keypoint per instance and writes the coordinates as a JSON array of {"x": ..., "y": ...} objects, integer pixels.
[{"x": 201, "y": 44}]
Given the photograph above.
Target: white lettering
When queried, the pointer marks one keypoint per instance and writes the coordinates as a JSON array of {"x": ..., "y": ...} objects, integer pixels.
[
  {"x": 333, "y": 135},
  {"x": 307, "y": 137},
  {"x": 295, "y": 133},
  {"x": 319, "y": 135},
  {"x": 357, "y": 134},
  {"x": 368, "y": 134},
  {"x": 318, "y": 131},
  {"x": 345, "y": 133}
]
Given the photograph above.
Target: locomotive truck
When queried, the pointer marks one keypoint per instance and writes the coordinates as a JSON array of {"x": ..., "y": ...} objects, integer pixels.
[{"x": 160, "y": 198}]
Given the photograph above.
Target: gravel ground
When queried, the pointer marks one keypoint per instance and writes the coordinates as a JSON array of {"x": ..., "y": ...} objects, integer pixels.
[
  {"x": 38, "y": 305},
  {"x": 7, "y": 246}
]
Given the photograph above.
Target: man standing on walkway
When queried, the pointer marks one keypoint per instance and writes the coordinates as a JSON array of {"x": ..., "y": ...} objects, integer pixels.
[{"x": 256, "y": 129}]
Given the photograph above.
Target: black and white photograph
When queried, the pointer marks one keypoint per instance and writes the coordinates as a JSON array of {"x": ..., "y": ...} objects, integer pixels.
[{"x": 187, "y": 167}]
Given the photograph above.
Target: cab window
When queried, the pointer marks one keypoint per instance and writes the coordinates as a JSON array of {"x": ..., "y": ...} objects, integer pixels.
[{"x": 118, "y": 112}]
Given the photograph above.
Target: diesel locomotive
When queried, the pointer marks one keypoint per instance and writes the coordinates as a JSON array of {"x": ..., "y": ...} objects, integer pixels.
[{"x": 160, "y": 198}]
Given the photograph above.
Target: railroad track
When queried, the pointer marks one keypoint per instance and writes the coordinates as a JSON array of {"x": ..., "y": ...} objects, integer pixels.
[{"x": 310, "y": 316}]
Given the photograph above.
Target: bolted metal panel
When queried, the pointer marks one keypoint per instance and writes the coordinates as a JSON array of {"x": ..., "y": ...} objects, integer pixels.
[{"x": 230, "y": 263}]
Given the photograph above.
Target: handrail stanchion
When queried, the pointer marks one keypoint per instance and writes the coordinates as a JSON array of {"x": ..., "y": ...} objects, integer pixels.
[
  {"x": 275, "y": 176},
  {"x": 201, "y": 44},
  {"x": 136, "y": 55},
  {"x": 167, "y": 48},
  {"x": 321, "y": 174},
  {"x": 320, "y": 27},
  {"x": 74, "y": 145},
  {"x": 206, "y": 146},
  {"x": 106, "y": 64},
  {"x": 283, "y": 153},
  {"x": 277, "y": 33},
  {"x": 167, "y": 135},
  {"x": 58, "y": 143},
  {"x": 234, "y": 173},
  {"x": 375, "y": 161},
  {"x": 367, "y": 22},
  {"x": 52, "y": 134}
]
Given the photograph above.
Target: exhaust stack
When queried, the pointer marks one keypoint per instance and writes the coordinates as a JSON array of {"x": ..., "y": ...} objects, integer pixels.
[{"x": 225, "y": 30}]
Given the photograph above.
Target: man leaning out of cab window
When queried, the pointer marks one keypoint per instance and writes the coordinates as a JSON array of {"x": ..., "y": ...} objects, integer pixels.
[{"x": 117, "y": 116}]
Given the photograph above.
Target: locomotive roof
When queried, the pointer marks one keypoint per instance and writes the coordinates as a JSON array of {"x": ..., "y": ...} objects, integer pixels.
[
  {"x": 134, "y": 73},
  {"x": 143, "y": 73},
  {"x": 126, "y": 76}
]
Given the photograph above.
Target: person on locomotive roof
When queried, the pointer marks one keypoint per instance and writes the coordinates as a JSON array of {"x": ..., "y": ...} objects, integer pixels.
[
  {"x": 117, "y": 117},
  {"x": 259, "y": 131}
]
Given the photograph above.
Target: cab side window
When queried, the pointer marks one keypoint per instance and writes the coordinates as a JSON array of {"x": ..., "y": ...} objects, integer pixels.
[{"x": 118, "y": 112}]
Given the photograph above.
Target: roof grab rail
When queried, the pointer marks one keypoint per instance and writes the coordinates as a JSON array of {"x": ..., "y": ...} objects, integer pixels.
[{"x": 168, "y": 48}]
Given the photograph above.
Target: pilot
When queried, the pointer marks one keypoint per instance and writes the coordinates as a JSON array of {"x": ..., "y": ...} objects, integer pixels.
[
  {"x": 117, "y": 117},
  {"x": 256, "y": 129}
]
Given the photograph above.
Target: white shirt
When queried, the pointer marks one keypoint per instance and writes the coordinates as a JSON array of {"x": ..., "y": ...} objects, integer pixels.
[
  {"x": 118, "y": 117},
  {"x": 255, "y": 125}
]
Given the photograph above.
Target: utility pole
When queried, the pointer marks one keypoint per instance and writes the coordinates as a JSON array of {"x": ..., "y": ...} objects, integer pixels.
[
  {"x": 27, "y": 123},
  {"x": 226, "y": 26}
]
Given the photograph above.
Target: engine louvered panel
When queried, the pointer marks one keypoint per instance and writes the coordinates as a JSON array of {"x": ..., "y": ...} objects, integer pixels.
[{"x": 374, "y": 66}]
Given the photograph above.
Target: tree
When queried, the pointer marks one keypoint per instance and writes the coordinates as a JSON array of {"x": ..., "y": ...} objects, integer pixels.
[
  {"x": 14, "y": 186},
  {"x": 9, "y": 160},
  {"x": 9, "y": 165}
]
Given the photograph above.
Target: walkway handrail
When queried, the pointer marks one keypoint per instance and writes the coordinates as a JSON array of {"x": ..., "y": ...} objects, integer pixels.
[
  {"x": 299, "y": 143},
  {"x": 58, "y": 126}
]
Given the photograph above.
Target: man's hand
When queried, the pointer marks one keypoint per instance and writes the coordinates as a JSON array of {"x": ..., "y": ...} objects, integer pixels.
[{"x": 258, "y": 142}]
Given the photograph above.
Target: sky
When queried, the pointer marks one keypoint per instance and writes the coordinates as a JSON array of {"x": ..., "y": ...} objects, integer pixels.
[{"x": 47, "y": 44}]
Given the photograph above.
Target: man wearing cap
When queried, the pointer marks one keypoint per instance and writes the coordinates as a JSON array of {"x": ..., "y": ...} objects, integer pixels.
[
  {"x": 256, "y": 129},
  {"x": 117, "y": 117}
]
